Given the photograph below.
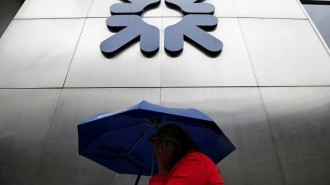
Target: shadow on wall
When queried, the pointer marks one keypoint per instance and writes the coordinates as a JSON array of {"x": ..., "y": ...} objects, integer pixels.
[{"x": 8, "y": 10}]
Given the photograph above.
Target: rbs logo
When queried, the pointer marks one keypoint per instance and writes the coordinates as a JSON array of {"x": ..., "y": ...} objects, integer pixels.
[{"x": 198, "y": 18}]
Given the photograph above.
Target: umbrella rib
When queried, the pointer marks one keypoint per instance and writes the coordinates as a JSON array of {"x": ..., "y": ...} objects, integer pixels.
[
  {"x": 138, "y": 141},
  {"x": 137, "y": 124},
  {"x": 123, "y": 128}
]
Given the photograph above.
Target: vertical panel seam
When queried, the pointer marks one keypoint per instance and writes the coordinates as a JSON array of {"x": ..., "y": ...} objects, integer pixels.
[
  {"x": 247, "y": 50},
  {"x": 273, "y": 139},
  {"x": 47, "y": 136},
  {"x": 74, "y": 53}
]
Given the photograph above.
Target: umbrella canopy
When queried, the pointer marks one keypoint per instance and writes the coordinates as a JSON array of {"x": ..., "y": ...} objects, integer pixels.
[{"x": 120, "y": 140}]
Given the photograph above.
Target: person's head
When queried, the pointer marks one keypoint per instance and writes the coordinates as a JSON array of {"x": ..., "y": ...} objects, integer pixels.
[{"x": 175, "y": 135}]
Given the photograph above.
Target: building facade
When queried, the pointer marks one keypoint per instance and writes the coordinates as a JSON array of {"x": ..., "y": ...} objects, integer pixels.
[{"x": 268, "y": 90}]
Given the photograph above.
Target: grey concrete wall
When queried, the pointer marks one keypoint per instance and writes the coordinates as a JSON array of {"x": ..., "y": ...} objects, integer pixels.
[{"x": 269, "y": 90}]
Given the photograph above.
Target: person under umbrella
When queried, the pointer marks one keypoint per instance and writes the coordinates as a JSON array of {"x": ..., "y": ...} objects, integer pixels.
[{"x": 179, "y": 160}]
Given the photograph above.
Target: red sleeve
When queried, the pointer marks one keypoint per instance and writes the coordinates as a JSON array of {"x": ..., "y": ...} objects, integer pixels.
[
  {"x": 193, "y": 170},
  {"x": 158, "y": 179}
]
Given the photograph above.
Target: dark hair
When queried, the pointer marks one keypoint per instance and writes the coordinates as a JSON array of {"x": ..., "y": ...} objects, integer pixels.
[{"x": 173, "y": 133}]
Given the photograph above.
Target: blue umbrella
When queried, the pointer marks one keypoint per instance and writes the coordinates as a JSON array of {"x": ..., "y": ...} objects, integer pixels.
[{"x": 120, "y": 140}]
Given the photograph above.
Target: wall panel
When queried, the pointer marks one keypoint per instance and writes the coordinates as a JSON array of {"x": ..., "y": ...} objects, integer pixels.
[
  {"x": 38, "y": 53},
  {"x": 194, "y": 68},
  {"x": 130, "y": 68},
  {"x": 300, "y": 121},
  {"x": 223, "y": 8},
  {"x": 33, "y": 9},
  {"x": 286, "y": 52},
  {"x": 26, "y": 116},
  {"x": 269, "y": 9},
  {"x": 101, "y": 8}
]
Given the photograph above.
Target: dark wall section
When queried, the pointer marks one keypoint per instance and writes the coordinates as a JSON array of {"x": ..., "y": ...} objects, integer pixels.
[
  {"x": 314, "y": 2},
  {"x": 319, "y": 11},
  {"x": 8, "y": 9},
  {"x": 320, "y": 15}
]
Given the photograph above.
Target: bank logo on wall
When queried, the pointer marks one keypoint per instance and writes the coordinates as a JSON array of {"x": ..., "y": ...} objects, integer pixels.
[{"x": 126, "y": 20}]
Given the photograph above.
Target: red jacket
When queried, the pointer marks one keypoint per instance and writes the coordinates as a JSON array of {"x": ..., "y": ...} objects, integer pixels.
[{"x": 193, "y": 169}]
